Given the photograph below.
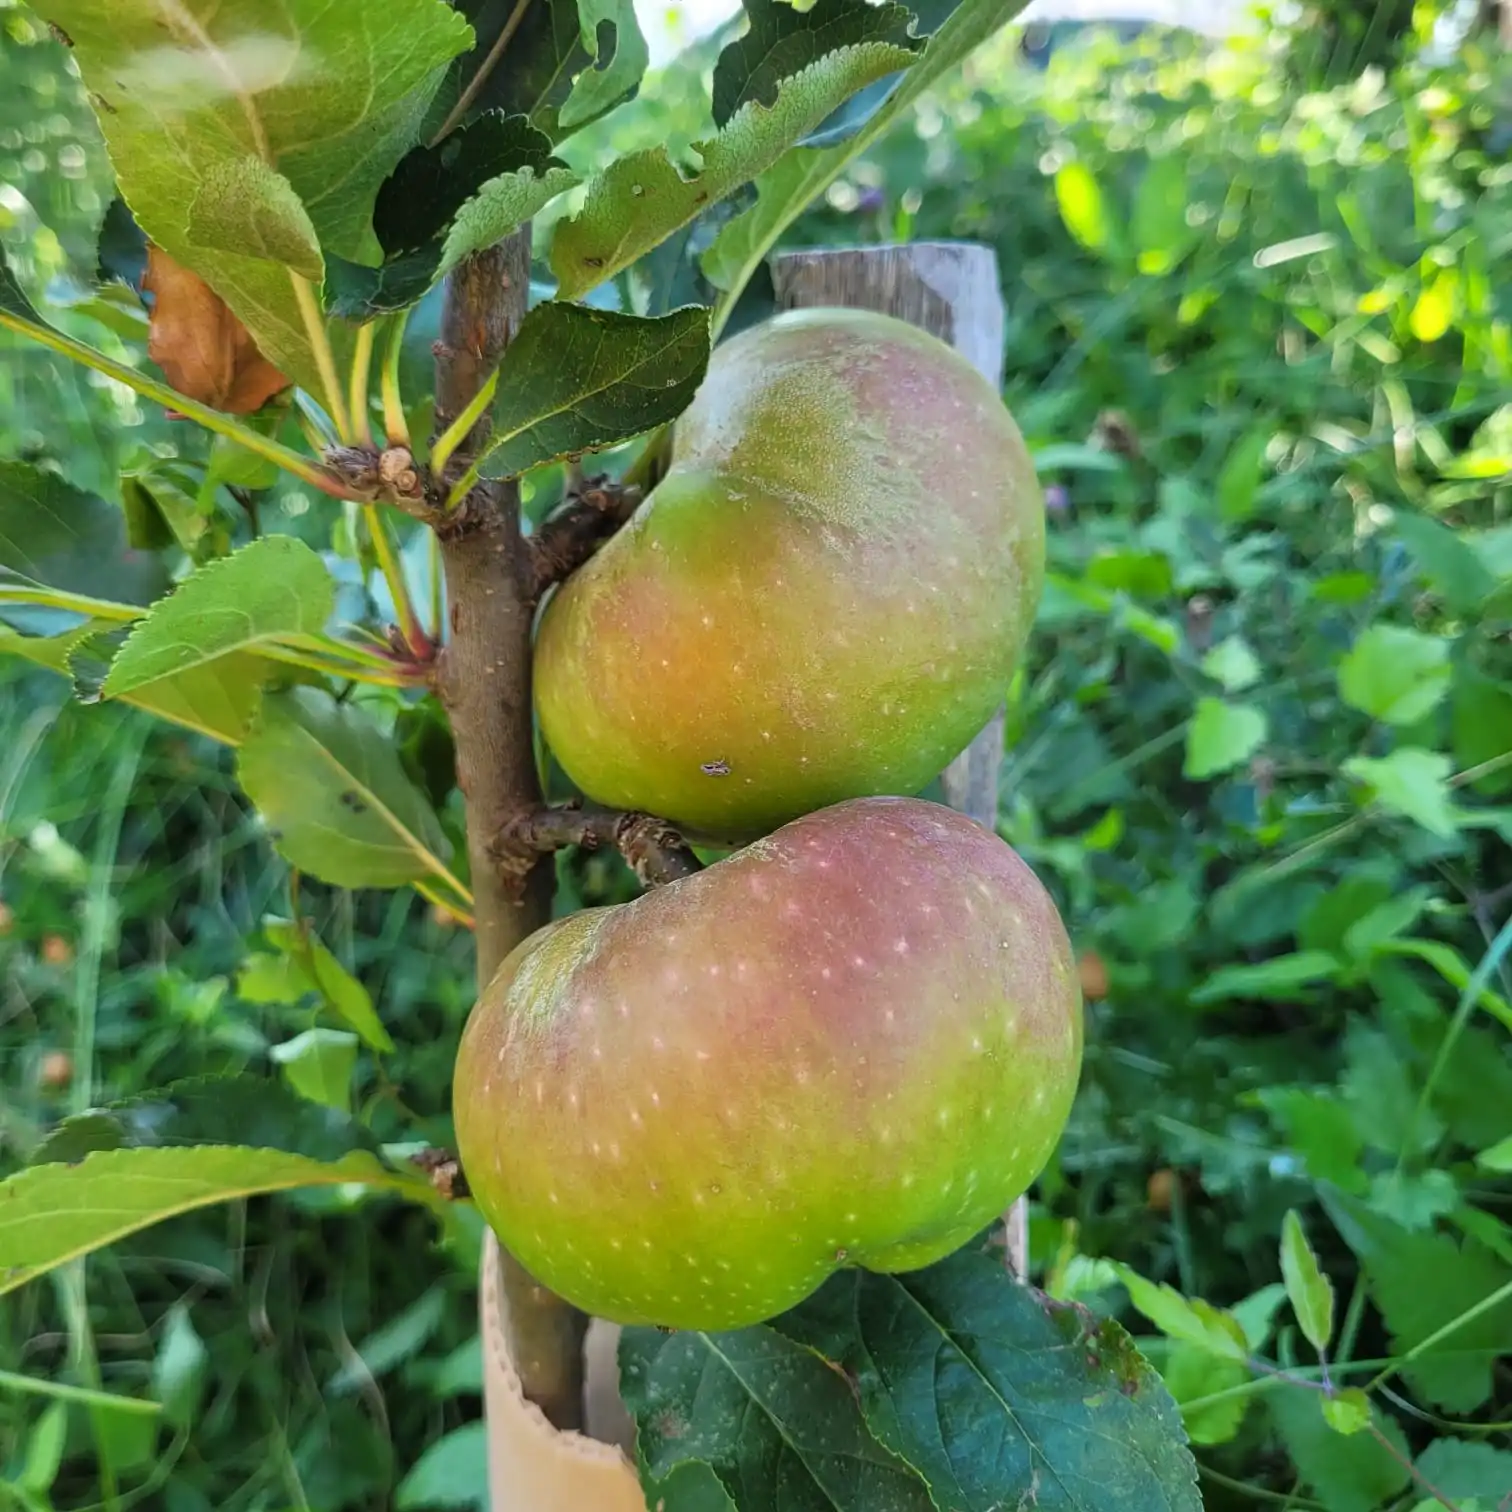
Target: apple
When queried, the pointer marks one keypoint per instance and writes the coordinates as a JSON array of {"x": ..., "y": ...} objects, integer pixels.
[
  {"x": 854, "y": 1042},
  {"x": 825, "y": 597}
]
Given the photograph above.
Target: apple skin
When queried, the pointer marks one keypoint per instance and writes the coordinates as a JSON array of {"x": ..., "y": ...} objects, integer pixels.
[
  {"x": 853, "y": 1043},
  {"x": 825, "y": 597}
]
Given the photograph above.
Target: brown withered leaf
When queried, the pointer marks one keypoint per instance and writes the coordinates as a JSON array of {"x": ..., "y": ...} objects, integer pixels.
[{"x": 203, "y": 349}]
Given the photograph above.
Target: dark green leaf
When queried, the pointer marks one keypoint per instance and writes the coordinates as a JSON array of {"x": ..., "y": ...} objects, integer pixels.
[
  {"x": 209, "y": 1110},
  {"x": 1353, "y": 1474},
  {"x": 576, "y": 379},
  {"x": 1461, "y": 1469},
  {"x": 1421, "y": 1282},
  {"x": 329, "y": 784},
  {"x": 58, "y": 536},
  {"x": 991, "y": 1391},
  {"x": 1279, "y": 979},
  {"x": 1449, "y": 565},
  {"x": 1481, "y": 718},
  {"x": 781, "y": 41},
  {"x": 545, "y": 55},
  {"x": 442, "y": 202},
  {"x": 776, "y": 1424},
  {"x": 121, "y": 250}
]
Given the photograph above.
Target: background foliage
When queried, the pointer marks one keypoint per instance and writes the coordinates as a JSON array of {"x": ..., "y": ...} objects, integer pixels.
[{"x": 1263, "y": 755}]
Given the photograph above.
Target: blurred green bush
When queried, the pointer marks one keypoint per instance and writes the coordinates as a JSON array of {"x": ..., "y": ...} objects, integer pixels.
[{"x": 1261, "y": 343}]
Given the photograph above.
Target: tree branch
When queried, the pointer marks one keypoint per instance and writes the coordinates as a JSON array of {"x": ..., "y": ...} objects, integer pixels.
[
  {"x": 655, "y": 852},
  {"x": 483, "y": 677},
  {"x": 568, "y": 538}
]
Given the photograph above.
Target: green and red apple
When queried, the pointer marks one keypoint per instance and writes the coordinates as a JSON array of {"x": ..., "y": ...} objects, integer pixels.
[
  {"x": 825, "y": 597},
  {"x": 853, "y": 1043}
]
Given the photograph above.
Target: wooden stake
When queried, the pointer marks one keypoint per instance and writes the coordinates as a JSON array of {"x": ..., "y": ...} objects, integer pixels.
[{"x": 951, "y": 290}]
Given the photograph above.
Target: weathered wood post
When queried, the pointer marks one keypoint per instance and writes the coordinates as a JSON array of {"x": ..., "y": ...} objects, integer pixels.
[{"x": 951, "y": 290}]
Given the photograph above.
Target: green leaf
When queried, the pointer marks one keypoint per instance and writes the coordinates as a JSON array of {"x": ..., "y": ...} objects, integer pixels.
[
  {"x": 1449, "y": 565},
  {"x": 963, "y": 1343},
  {"x": 802, "y": 173},
  {"x": 546, "y": 53},
  {"x": 1221, "y": 736},
  {"x": 1080, "y": 201},
  {"x": 641, "y": 199},
  {"x": 461, "y": 1372},
  {"x": 329, "y": 784},
  {"x": 178, "y": 1370},
  {"x": 1481, "y": 727},
  {"x": 1498, "y": 1157},
  {"x": 1349, "y": 1474},
  {"x": 397, "y": 1341},
  {"x": 162, "y": 506},
  {"x": 781, "y": 41},
  {"x": 271, "y": 589},
  {"x": 772, "y": 1419},
  {"x": 1161, "y": 233},
  {"x": 1232, "y": 663},
  {"x": 1188, "y": 1320},
  {"x": 58, "y": 536},
  {"x": 1320, "y": 1128},
  {"x": 1348, "y": 1412},
  {"x": 45, "y": 1443},
  {"x": 1191, "y": 1374},
  {"x": 318, "y": 1064},
  {"x": 446, "y": 201},
  {"x": 1276, "y": 980},
  {"x": 1310, "y": 1291},
  {"x": 1462, "y": 1469},
  {"x": 224, "y": 120},
  {"x": 453, "y": 1472},
  {"x": 1433, "y": 312},
  {"x": 1411, "y": 782},
  {"x": 1423, "y": 1282},
  {"x": 1394, "y": 674},
  {"x": 576, "y": 379},
  {"x": 52, "y": 1214},
  {"x": 305, "y": 965},
  {"x": 208, "y": 1110},
  {"x": 1239, "y": 480},
  {"x": 615, "y": 75}
]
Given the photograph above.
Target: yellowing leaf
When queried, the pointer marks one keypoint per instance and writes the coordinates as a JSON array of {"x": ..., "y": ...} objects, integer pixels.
[
  {"x": 1433, "y": 313},
  {"x": 1081, "y": 205}
]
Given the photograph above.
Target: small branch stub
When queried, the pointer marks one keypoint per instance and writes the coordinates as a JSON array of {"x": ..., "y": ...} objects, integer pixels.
[
  {"x": 444, "y": 1171},
  {"x": 391, "y": 476},
  {"x": 654, "y": 851},
  {"x": 592, "y": 513}
]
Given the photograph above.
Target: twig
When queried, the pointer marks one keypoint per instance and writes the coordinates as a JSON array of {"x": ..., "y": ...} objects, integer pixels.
[
  {"x": 654, "y": 851},
  {"x": 590, "y": 516},
  {"x": 479, "y": 79},
  {"x": 483, "y": 677},
  {"x": 444, "y": 1172}
]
